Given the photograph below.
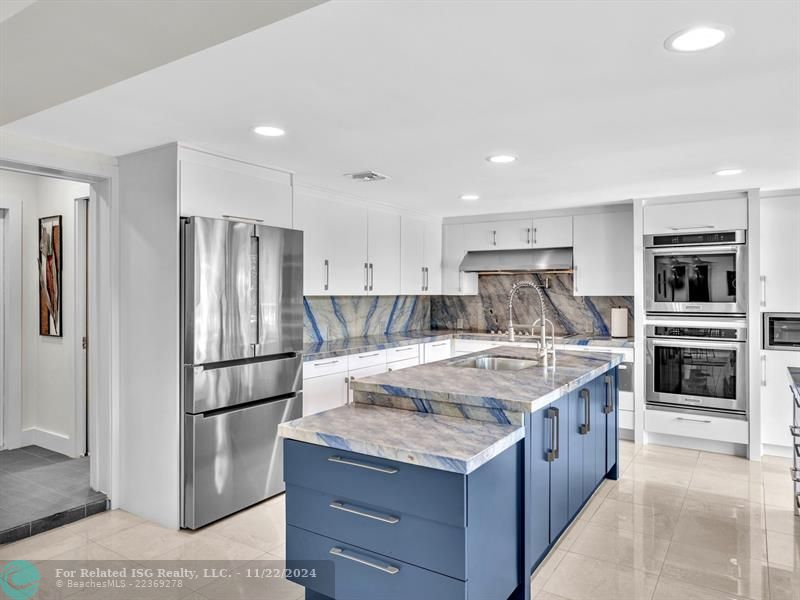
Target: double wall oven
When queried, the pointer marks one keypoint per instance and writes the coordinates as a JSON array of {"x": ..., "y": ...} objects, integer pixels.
[{"x": 696, "y": 304}]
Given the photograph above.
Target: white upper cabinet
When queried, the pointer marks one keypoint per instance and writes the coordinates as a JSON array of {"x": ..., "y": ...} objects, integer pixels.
[
  {"x": 704, "y": 215},
  {"x": 412, "y": 256},
  {"x": 217, "y": 187},
  {"x": 334, "y": 245},
  {"x": 433, "y": 257},
  {"x": 780, "y": 254},
  {"x": 603, "y": 254},
  {"x": 551, "y": 232},
  {"x": 383, "y": 234},
  {"x": 454, "y": 282}
]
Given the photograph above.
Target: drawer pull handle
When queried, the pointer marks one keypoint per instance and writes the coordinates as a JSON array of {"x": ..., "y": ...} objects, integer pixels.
[
  {"x": 322, "y": 364},
  {"x": 353, "y": 463},
  {"x": 608, "y": 407},
  {"x": 586, "y": 427},
  {"x": 369, "y": 355},
  {"x": 406, "y": 349},
  {"x": 693, "y": 420},
  {"x": 439, "y": 344},
  {"x": 361, "y": 512},
  {"x": 363, "y": 561}
]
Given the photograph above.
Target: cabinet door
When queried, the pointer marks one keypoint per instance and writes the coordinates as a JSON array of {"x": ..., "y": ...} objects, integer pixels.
[
  {"x": 612, "y": 417},
  {"x": 454, "y": 282},
  {"x": 324, "y": 393},
  {"x": 402, "y": 364},
  {"x": 499, "y": 235},
  {"x": 480, "y": 236},
  {"x": 433, "y": 257},
  {"x": 213, "y": 186},
  {"x": 311, "y": 215},
  {"x": 384, "y": 253},
  {"x": 559, "y": 468},
  {"x": 590, "y": 425},
  {"x": 704, "y": 215},
  {"x": 365, "y": 372},
  {"x": 412, "y": 255},
  {"x": 603, "y": 254},
  {"x": 780, "y": 254},
  {"x": 776, "y": 399},
  {"x": 434, "y": 351},
  {"x": 575, "y": 443},
  {"x": 599, "y": 429},
  {"x": 551, "y": 232},
  {"x": 539, "y": 504}
]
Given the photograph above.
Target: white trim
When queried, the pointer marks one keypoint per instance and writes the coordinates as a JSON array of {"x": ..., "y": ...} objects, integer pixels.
[
  {"x": 691, "y": 443},
  {"x": 775, "y": 450},
  {"x": 639, "y": 358},
  {"x": 623, "y": 206},
  {"x": 57, "y": 442},
  {"x": 79, "y": 354},
  {"x": 3, "y": 213},
  {"x": 754, "y": 322},
  {"x": 702, "y": 197},
  {"x": 12, "y": 300}
]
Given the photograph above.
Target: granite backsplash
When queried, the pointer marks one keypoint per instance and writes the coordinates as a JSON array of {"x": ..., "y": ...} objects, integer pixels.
[{"x": 487, "y": 311}]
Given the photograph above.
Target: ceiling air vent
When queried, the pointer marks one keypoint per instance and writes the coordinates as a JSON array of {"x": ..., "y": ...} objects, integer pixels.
[{"x": 366, "y": 176}]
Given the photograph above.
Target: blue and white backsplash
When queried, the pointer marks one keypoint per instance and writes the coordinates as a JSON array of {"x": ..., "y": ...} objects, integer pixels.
[
  {"x": 488, "y": 311},
  {"x": 337, "y": 317}
]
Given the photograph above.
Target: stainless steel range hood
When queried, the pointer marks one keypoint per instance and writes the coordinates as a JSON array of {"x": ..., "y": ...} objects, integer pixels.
[{"x": 517, "y": 261}]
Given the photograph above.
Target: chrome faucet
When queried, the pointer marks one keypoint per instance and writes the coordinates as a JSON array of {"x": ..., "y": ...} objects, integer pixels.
[{"x": 545, "y": 350}]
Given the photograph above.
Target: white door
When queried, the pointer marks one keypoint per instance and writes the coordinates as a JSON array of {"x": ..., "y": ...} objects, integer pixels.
[
  {"x": 2, "y": 319},
  {"x": 453, "y": 251},
  {"x": 498, "y": 235},
  {"x": 365, "y": 372},
  {"x": 324, "y": 393},
  {"x": 437, "y": 351},
  {"x": 603, "y": 254},
  {"x": 780, "y": 254},
  {"x": 403, "y": 364},
  {"x": 412, "y": 255},
  {"x": 433, "y": 257},
  {"x": 311, "y": 216},
  {"x": 383, "y": 232},
  {"x": 551, "y": 232},
  {"x": 776, "y": 398}
]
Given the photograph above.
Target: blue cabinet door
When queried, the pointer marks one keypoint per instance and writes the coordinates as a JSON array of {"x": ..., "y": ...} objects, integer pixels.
[
  {"x": 560, "y": 513},
  {"x": 599, "y": 429},
  {"x": 587, "y": 429},
  {"x": 575, "y": 458},
  {"x": 612, "y": 416},
  {"x": 539, "y": 503}
]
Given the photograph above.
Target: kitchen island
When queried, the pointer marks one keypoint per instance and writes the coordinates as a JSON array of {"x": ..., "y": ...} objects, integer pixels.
[{"x": 451, "y": 479}]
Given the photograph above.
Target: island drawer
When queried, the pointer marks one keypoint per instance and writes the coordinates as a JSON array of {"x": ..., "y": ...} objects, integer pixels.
[
  {"x": 324, "y": 366},
  {"x": 402, "y": 353},
  {"x": 399, "y": 487},
  {"x": 362, "y": 575},
  {"x": 435, "y": 546}
]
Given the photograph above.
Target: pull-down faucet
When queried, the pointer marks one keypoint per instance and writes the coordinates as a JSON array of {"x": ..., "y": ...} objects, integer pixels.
[{"x": 544, "y": 350}]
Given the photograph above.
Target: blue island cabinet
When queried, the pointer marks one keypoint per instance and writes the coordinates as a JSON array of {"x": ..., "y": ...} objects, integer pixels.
[{"x": 373, "y": 528}]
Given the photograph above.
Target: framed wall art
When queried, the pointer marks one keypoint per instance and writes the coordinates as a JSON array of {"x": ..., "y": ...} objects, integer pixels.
[{"x": 50, "y": 276}]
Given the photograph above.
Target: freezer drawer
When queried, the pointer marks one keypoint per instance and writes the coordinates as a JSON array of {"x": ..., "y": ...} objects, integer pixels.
[
  {"x": 208, "y": 389},
  {"x": 233, "y": 459}
]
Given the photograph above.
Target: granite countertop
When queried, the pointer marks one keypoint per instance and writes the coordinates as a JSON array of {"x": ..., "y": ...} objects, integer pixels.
[
  {"x": 343, "y": 347},
  {"x": 794, "y": 379},
  {"x": 526, "y": 390},
  {"x": 439, "y": 442}
]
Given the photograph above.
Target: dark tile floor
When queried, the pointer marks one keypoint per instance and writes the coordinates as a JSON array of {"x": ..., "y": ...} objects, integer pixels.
[{"x": 41, "y": 489}]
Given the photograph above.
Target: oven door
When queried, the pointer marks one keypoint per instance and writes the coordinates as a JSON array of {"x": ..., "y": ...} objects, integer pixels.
[
  {"x": 697, "y": 374},
  {"x": 696, "y": 279}
]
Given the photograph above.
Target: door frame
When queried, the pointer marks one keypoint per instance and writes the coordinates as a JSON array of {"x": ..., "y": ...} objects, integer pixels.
[
  {"x": 81, "y": 359},
  {"x": 3, "y": 219}
]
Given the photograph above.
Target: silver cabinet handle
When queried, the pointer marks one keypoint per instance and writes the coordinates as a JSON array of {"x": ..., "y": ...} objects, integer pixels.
[
  {"x": 608, "y": 408},
  {"x": 235, "y": 218},
  {"x": 363, "y": 512},
  {"x": 369, "y": 355},
  {"x": 535, "y": 241},
  {"x": 680, "y": 227},
  {"x": 763, "y": 369},
  {"x": 763, "y": 279},
  {"x": 406, "y": 349},
  {"x": 422, "y": 270},
  {"x": 326, "y": 270},
  {"x": 363, "y": 561},
  {"x": 555, "y": 442},
  {"x": 436, "y": 345},
  {"x": 352, "y": 463},
  {"x": 366, "y": 277},
  {"x": 330, "y": 362},
  {"x": 574, "y": 278},
  {"x": 371, "y": 276},
  {"x": 529, "y": 237},
  {"x": 587, "y": 412},
  {"x": 707, "y": 421},
  {"x": 494, "y": 237}
]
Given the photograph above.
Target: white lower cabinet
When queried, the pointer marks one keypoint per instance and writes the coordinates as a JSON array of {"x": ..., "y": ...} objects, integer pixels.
[
  {"x": 364, "y": 372},
  {"x": 324, "y": 392},
  {"x": 697, "y": 426},
  {"x": 434, "y": 351},
  {"x": 776, "y": 399},
  {"x": 467, "y": 346},
  {"x": 403, "y": 364}
]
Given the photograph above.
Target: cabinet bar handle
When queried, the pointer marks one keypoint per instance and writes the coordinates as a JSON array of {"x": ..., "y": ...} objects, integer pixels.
[
  {"x": 371, "y": 276},
  {"x": 362, "y": 512},
  {"x": 707, "y": 421},
  {"x": 529, "y": 237},
  {"x": 366, "y": 277},
  {"x": 764, "y": 370},
  {"x": 369, "y": 467},
  {"x": 368, "y": 355},
  {"x": 330, "y": 362},
  {"x": 437, "y": 344},
  {"x": 608, "y": 408},
  {"x": 535, "y": 241},
  {"x": 422, "y": 288},
  {"x": 680, "y": 227},
  {"x": 363, "y": 561},
  {"x": 406, "y": 349},
  {"x": 587, "y": 412},
  {"x": 555, "y": 442},
  {"x": 763, "y": 279},
  {"x": 326, "y": 270},
  {"x": 494, "y": 237}
]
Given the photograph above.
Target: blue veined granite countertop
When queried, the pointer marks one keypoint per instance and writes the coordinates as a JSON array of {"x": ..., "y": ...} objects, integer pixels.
[
  {"x": 445, "y": 443},
  {"x": 505, "y": 394},
  {"x": 794, "y": 379},
  {"x": 343, "y": 347}
]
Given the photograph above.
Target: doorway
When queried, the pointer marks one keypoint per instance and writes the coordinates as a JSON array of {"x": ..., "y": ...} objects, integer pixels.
[{"x": 47, "y": 474}]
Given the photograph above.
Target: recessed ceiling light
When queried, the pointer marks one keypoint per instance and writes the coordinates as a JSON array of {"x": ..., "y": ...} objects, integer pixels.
[
  {"x": 502, "y": 159},
  {"x": 697, "y": 38},
  {"x": 269, "y": 131},
  {"x": 726, "y": 172},
  {"x": 470, "y": 197}
]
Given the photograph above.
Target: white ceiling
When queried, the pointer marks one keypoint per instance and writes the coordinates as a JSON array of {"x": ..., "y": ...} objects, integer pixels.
[{"x": 583, "y": 92}]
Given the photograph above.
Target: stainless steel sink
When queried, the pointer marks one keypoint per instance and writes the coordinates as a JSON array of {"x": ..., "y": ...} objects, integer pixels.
[{"x": 495, "y": 363}]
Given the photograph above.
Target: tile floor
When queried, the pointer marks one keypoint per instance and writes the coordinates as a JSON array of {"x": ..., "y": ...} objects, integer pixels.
[
  {"x": 678, "y": 525},
  {"x": 41, "y": 489}
]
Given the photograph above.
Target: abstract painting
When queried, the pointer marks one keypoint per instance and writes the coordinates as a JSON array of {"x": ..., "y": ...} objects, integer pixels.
[{"x": 50, "y": 276}]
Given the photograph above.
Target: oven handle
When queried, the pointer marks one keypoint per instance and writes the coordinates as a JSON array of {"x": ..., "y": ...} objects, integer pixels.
[
  {"x": 678, "y": 343},
  {"x": 694, "y": 249}
]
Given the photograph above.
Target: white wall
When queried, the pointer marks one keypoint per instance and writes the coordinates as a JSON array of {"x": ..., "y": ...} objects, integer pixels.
[{"x": 48, "y": 363}]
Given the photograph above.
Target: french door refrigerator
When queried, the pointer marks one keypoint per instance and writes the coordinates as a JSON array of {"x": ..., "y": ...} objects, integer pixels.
[{"x": 242, "y": 372}]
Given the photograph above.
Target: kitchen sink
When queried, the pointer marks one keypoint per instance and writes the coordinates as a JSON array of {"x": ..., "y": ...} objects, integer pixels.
[{"x": 495, "y": 363}]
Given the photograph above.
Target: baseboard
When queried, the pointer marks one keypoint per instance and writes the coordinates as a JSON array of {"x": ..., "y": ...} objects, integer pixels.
[
  {"x": 775, "y": 450},
  {"x": 57, "y": 442},
  {"x": 691, "y": 443}
]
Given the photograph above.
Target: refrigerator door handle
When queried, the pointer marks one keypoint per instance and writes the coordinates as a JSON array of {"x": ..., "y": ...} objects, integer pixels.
[{"x": 255, "y": 269}]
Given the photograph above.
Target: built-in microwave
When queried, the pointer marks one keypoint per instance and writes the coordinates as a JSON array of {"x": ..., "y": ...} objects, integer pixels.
[
  {"x": 781, "y": 331},
  {"x": 702, "y": 273}
]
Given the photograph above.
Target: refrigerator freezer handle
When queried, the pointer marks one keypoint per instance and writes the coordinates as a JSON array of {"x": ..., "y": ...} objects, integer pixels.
[{"x": 255, "y": 268}]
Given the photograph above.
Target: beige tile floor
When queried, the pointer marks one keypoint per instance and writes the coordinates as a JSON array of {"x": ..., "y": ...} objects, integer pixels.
[{"x": 678, "y": 525}]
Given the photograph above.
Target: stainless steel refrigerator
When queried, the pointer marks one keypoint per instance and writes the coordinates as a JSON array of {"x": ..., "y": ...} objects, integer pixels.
[{"x": 242, "y": 372}]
